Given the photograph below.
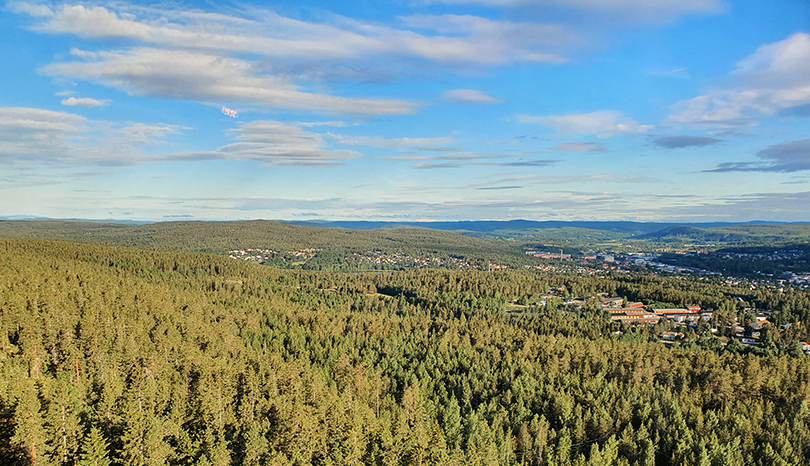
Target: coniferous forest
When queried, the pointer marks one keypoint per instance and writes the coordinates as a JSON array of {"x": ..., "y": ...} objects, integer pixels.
[{"x": 121, "y": 356}]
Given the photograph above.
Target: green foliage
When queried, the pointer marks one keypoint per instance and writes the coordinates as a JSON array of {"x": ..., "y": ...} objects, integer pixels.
[
  {"x": 94, "y": 449},
  {"x": 113, "y": 356}
]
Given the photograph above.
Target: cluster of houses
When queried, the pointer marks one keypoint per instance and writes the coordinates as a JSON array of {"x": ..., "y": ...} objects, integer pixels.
[
  {"x": 251, "y": 254},
  {"x": 798, "y": 279},
  {"x": 638, "y": 313},
  {"x": 547, "y": 255},
  {"x": 263, "y": 254},
  {"x": 400, "y": 258},
  {"x": 306, "y": 253}
]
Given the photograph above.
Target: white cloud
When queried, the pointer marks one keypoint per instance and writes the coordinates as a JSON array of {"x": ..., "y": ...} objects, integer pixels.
[
  {"x": 469, "y": 96},
  {"x": 269, "y": 34},
  {"x": 85, "y": 102},
  {"x": 790, "y": 156},
  {"x": 309, "y": 124},
  {"x": 179, "y": 74},
  {"x": 604, "y": 123},
  {"x": 274, "y": 143},
  {"x": 62, "y": 138},
  {"x": 65, "y": 139},
  {"x": 773, "y": 79},
  {"x": 487, "y": 41},
  {"x": 681, "y": 72},
  {"x": 32, "y": 133},
  {"x": 680, "y": 142},
  {"x": 429, "y": 166},
  {"x": 459, "y": 159},
  {"x": 580, "y": 147},
  {"x": 389, "y": 143},
  {"x": 646, "y": 10},
  {"x": 141, "y": 134},
  {"x": 259, "y": 57}
]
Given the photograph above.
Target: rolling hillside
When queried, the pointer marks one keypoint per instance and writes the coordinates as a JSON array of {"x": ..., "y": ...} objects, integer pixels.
[
  {"x": 743, "y": 234},
  {"x": 219, "y": 237}
]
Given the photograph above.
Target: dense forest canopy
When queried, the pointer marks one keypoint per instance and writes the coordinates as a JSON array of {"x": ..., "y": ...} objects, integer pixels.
[
  {"x": 112, "y": 355},
  {"x": 218, "y": 237}
]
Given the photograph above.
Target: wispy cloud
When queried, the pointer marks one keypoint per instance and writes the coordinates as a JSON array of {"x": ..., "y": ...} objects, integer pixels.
[
  {"x": 459, "y": 159},
  {"x": 497, "y": 188},
  {"x": 469, "y": 96},
  {"x": 440, "y": 149},
  {"x": 680, "y": 142},
  {"x": 774, "y": 79},
  {"x": 203, "y": 77},
  {"x": 393, "y": 143},
  {"x": 603, "y": 123},
  {"x": 275, "y": 143},
  {"x": 682, "y": 73},
  {"x": 791, "y": 156},
  {"x": 427, "y": 166},
  {"x": 257, "y": 56},
  {"x": 579, "y": 147},
  {"x": 521, "y": 163},
  {"x": 776, "y": 206},
  {"x": 452, "y": 39},
  {"x": 634, "y": 10},
  {"x": 310, "y": 124},
  {"x": 62, "y": 138},
  {"x": 85, "y": 102}
]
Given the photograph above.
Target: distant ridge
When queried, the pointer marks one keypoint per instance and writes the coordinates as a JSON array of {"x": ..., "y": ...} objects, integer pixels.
[
  {"x": 33, "y": 218},
  {"x": 486, "y": 226},
  {"x": 694, "y": 234},
  {"x": 764, "y": 233}
]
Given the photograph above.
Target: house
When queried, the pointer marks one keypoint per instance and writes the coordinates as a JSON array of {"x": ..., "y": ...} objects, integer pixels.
[
  {"x": 635, "y": 304},
  {"x": 671, "y": 311},
  {"x": 611, "y": 302},
  {"x": 677, "y": 315},
  {"x": 671, "y": 335},
  {"x": 633, "y": 316}
]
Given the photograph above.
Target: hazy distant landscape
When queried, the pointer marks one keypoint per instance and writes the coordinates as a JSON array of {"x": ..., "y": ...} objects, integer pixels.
[{"x": 742, "y": 249}]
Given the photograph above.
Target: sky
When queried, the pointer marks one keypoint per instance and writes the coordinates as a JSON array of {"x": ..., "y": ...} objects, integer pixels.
[{"x": 400, "y": 110}]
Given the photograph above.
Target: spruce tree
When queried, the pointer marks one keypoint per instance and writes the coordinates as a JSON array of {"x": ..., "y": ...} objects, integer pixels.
[{"x": 94, "y": 450}]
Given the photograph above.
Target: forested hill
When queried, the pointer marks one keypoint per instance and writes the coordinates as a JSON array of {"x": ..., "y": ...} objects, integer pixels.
[
  {"x": 484, "y": 237},
  {"x": 484, "y": 226},
  {"x": 744, "y": 234},
  {"x": 123, "y": 356},
  {"x": 219, "y": 237}
]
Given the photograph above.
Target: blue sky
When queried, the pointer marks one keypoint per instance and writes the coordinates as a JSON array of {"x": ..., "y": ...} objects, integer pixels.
[{"x": 667, "y": 110}]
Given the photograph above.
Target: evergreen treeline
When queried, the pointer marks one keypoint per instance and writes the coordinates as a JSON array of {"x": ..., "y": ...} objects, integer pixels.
[
  {"x": 219, "y": 237},
  {"x": 115, "y": 356}
]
